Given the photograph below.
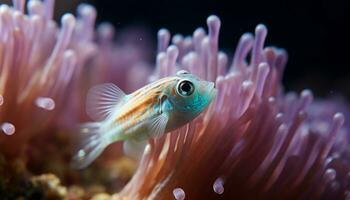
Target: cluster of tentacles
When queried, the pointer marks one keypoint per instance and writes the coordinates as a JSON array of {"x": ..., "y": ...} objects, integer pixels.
[{"x": 255, "y": 141}]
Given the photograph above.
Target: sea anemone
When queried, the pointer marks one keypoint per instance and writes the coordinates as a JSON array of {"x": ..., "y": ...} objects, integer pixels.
[
  {"x": 255, "y": 141},
  {"x": 38, "y": 62}
]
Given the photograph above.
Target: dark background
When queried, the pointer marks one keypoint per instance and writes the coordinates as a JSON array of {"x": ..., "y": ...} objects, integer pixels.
[{"x": 315, "y": 33}]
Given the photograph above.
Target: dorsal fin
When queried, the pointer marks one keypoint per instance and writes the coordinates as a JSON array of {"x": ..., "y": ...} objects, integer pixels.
[{"x": 101, "y": 100}]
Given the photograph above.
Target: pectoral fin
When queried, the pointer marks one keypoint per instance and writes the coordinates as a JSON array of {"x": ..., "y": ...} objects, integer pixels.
[{"x": 158, "y": 124}]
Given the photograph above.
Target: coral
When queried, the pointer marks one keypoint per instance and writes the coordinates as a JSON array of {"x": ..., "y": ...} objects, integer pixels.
[
  {"x": 15, "y": 181},
  {"x": 51, "y": 185}
]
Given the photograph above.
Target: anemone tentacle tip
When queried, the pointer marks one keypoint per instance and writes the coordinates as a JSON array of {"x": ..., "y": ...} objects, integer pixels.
[{"x": 179, "y": 194}]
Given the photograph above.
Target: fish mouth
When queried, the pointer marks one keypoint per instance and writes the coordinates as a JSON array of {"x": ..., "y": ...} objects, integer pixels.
[
  {"x": 212, "y": 85},
  {"x": 212, "y": 89}
]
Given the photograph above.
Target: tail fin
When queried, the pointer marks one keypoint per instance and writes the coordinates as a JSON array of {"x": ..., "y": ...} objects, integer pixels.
[{"x": 91, "y": 145}]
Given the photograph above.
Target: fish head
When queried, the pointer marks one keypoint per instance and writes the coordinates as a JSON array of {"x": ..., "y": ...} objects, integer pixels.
[{"x": 190, "y": 95}]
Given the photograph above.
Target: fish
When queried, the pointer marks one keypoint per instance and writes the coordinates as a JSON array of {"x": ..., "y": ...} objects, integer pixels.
[{"x": 149, "y": 112}]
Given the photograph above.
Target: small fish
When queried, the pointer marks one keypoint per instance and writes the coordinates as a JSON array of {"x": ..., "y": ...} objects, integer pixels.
[{"x": 149, "y": 112}]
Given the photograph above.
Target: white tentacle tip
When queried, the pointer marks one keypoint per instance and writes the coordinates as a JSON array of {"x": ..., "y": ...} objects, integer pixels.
[
  {"x": 218, "y": 186},
  {"x": 339, "y": 118},
  {"x": 8, "y": 128},
  {"x": 68, "y": 20},
  {"x": 179, "y": 194},
  {"x": 261, "y": 28},
  {"x": 213, "y": 20},
  {"x": 163, "y": 32},
  {"x": 86, "y": 10},
  {"x": 45, "y": 103}
]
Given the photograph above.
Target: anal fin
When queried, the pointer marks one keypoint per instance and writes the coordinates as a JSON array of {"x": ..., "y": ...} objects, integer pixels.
[{"x": 134, "y": 148}]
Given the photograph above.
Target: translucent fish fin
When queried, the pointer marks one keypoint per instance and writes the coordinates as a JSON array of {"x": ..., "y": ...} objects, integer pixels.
[
  {"x": 91, "y": 145},
  {"x": 134, "y": 148},
  {"x": 102, "y": 99},
  {"x": 157, "y": 125}
]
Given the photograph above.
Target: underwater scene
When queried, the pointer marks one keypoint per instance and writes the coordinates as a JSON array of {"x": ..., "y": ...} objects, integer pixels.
[{"x": 174, "y": 100}]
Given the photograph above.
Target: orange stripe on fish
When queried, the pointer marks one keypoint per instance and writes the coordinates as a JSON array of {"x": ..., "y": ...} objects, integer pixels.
[{"x": 142, "y": 99}]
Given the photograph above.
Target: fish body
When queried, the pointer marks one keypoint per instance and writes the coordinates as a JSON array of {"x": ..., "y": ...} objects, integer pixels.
[{"x": 149, "y": 112}]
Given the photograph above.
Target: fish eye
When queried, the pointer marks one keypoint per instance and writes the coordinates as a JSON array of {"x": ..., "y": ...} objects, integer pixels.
[{"x": 185, "y": 88}]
